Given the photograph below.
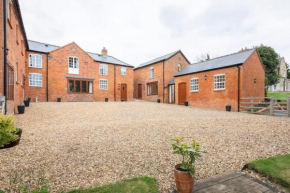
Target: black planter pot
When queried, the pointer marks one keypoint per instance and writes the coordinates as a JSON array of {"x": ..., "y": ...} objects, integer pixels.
[
  {"x": 26, "y": 103},
  {"x": 228, "y": 108},
  {"x": 158, "y": 100},
  {"x": 59, "y": 100},
  {"x": 185, "y": 103},
  {"x": 106, "y": 99},
  {"x": 13, "y": 143},
  {"x": 21, "y": 109},
  {"x": 29, "y": 99}
]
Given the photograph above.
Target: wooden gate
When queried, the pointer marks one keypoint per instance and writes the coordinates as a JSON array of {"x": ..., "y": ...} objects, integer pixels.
[{"x": 181, "y": 93}]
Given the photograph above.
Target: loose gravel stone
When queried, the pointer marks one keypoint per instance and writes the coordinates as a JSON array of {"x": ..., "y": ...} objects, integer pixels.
[{"x": 80, "y": 145}]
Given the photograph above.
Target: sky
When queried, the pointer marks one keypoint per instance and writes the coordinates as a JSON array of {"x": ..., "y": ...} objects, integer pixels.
[{"x": 139, "y": 31}]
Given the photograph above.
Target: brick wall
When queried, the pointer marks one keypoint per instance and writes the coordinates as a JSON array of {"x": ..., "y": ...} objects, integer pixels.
[
  {"x": 16, "y": 55},
  {"x": 31, "y": 91},
  {"x": 207, "y": 97},
  {"x": 141, "y": 76},
  {"x": 58, "y": 76}
]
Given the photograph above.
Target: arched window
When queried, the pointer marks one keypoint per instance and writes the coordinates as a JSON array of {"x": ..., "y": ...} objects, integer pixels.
[{"x": 179, "y": 67}]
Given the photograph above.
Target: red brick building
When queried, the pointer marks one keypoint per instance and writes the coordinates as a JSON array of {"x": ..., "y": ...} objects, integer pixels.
[
  {"x": 221, "y": 81},
  {"x": 151, "y": 78},
  {"x": 12, "y": 56},
  {"x": 72, "y": 74}
]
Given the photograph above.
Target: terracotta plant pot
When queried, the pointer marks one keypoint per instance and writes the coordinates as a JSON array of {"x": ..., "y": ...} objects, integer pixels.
[
  {"x": 184, "y": 181},
  {"x": 13, "y": 143}
]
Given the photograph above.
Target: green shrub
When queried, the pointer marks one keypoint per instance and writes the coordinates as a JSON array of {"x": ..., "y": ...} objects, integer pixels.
[
  {"x": 7, "y": 129},
  {"x": 189, "y": 153}
]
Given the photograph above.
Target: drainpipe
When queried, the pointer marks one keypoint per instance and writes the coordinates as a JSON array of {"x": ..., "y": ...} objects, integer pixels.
[
  {"x": 239, "y": 72},
  {"x": 163, "y": 81},
  {"x": 115, "y": 82},
  {"x": 5, "y": 57},
  {"x": 47, "y": 55}
]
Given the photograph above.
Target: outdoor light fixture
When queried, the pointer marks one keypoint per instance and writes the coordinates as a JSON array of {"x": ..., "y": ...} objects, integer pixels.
[
  {"x": 205, "y": 77},
  {"x": 255, "y": 80},
  {"x": 7, "y": 50}
]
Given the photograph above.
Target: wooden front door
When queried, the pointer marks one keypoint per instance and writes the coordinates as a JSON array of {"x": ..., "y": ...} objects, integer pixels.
[
  {"x": 181, "y": 93},
  {"x": 123, "y": 92},
  {"x": 139, "y": 91}
]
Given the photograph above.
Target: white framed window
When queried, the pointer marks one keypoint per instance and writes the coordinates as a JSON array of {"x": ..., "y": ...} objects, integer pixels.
[
  {"x": 194, "y": 85},
  {"x": 8, "y": 9},
  {"x": 123, "y": 71},
  {"x": 73, "y": 65},
  {"x": 151, "y": 72},
  {"x": 35, "y": 61},
  {"x": 103, "y": 84},
  {"x": 179, "y": 67},
  {"x": 35, "y": 79},
  {"x": 220, "y": 82},
  {"x": 103, "y": 69}
]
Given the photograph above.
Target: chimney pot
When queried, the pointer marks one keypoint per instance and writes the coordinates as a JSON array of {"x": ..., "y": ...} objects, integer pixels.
[{"x": 104, "y": 51}]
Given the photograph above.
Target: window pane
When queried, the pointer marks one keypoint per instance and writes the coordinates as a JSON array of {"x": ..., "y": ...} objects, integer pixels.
[
  {"x": 78, "y": 86},
  {"x": 70, "y": 86},
  {"x": 84, "y": 86}
]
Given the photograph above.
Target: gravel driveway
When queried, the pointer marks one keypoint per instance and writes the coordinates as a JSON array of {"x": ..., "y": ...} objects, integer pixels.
[{"x": 86, "y": 144}]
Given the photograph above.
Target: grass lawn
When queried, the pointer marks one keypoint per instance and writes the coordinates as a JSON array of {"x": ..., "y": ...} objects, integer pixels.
[
  {"x": 134, "y": 185},
  {"x": 276, "y": 169},
  {"x": 278, "y": 94}
]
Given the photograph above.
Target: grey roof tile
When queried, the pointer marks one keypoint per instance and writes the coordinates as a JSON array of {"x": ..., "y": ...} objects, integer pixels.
[
  {"x": 46, "y": 48},
  {"x": 216, "y": 63},
  {"x": 172, "y": 81},
  {"x": 165, "y": 57}
]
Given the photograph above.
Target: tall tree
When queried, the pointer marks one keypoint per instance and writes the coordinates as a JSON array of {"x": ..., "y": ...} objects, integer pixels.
[{"x": 270, "y": 60}]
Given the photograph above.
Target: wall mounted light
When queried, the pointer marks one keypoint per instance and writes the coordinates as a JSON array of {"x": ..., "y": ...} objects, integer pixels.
[
  {"x": 205, "y": 77},
  {"x": 255, "y": 80},
  {"x": 7, "y": 50}
]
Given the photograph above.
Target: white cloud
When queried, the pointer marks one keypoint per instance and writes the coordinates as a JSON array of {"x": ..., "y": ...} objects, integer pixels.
[{"x": 138, "y": 31}]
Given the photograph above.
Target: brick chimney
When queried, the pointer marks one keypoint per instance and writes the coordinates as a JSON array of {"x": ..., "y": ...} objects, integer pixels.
[{"x": 104, "y": 51}]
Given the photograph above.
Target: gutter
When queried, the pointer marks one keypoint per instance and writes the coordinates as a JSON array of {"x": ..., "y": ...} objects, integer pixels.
[
  {"x": 239, "y": 73},
  {"x": 163, "y": 81},
  {"x": 47, "y": 55},
  {"x": 5, "y": 56}
]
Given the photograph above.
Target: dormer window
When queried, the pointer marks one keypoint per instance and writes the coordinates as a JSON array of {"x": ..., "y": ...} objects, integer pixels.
[
  {"x": 73, "y": 65},
  {"x": 103, "y": 69},
  {"x": 151, "y": 73}
]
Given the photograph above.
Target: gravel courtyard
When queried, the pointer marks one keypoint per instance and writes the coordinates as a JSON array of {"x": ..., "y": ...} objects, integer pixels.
[{"x": 77, "y": 145}]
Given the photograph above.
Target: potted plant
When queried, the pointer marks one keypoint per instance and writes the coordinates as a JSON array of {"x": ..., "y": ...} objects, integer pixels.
[
  {"x": 106, "y": 99},
  {"x": 184, "y": 172},
  {"x": 59, "y": 99},
  {"x": 186, "y": 103},
  {"x": 228, "y": 107},
  {"x": 9, "y": 135},
  {"x": 158, "y": 100},
  {"x": 27, "y": 101},
  {"x": 21, "y": 108}
]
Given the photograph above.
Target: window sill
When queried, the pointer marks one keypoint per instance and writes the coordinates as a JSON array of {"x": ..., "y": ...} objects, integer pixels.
[
  {"x": 22, "y": 53},
  {"x": 34, "y": 67},
  {"x": 17, "y": 42},
  {"x": 194, "y": 91},
  {"x": 219, "y": 90},
  {"x": 9, "y": 22}
]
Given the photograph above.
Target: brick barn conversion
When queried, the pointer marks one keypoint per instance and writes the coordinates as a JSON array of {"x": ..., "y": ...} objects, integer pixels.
[
  {"x": 72, "y": 74},
  {"x": 221, "y": 81},
  {"x": 151, "y": 78},
  {"x": 46, "y": 72}
]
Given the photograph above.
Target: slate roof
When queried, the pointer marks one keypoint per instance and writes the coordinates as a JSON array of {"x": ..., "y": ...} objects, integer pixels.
[
  {"x": 172, "y": 81},
  {"x": 216, "y": 63},
  {"x": 165, "y": 57},
  {"x": 46, "y": 48}
]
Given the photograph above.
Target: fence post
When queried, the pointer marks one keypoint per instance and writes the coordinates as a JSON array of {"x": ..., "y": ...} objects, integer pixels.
[
  {"x": 272, "y": 106},
  {"x": 288, "y": 107},
  {"x": 252, "y": 104}
]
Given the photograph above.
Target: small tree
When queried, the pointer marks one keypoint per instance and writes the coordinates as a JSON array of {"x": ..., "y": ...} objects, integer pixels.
[
  {"x": 204, "y": 57},
  {"x": 270, "y": 61}
]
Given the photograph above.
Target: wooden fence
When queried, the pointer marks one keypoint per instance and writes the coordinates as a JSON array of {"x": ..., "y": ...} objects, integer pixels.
[{"x": 266, "y": 106}]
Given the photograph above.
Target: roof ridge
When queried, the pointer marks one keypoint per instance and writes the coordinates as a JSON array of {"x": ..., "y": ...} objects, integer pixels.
[
  {"x": 224, "y": 56},
  {"x": 43, "y": 43},
  {"x": 159, "y": 57}
]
